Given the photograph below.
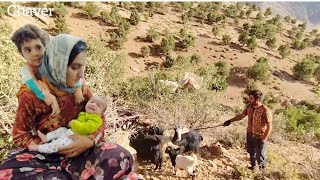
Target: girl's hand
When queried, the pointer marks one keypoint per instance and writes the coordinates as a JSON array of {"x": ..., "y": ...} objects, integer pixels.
[{"x": 79, "y": 145}]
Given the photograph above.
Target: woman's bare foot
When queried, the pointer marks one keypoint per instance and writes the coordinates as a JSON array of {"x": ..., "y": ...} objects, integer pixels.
[
  {"x": 33, "y": 147},
  {"x": 42, "y": 136}
]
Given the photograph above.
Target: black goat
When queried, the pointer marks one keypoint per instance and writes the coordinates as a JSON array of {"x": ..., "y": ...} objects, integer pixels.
[
  {"x": 189, "y": 141},
  {"x": 155, "y": 130},
  {"x": 148, "y": 147}
]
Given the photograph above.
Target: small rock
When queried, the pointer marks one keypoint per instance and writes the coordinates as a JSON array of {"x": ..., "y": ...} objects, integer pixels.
[
  {"x": 134, "y": 69},
  {"x": 214, "y": 166},
  {"x": 276, "y": 88}
]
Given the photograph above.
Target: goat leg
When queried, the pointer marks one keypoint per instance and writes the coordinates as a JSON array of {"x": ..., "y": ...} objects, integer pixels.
[{"x": 174, "y": 171}]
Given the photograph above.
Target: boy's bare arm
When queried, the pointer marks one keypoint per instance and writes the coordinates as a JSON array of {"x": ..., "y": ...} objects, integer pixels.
[
  {"x": 49, "y": 99},
  {"x": 78, "y": 96}
]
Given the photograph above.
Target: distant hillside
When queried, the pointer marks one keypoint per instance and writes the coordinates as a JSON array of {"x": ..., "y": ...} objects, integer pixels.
[{"x": 304, "y": 11}]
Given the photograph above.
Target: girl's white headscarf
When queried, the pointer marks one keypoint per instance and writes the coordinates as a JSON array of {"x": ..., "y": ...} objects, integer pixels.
[{"x": 55, "y": 60}]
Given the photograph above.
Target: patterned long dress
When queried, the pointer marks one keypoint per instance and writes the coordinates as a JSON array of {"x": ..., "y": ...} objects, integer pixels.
[{"x": 104, "y": 161}]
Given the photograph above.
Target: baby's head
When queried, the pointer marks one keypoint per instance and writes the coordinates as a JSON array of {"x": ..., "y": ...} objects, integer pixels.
[
  {"x": 30, "y": 41},
  {"x": 96, "y": 105}
]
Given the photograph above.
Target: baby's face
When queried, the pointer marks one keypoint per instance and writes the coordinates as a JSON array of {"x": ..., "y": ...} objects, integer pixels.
[
  {"x": 32, "y": 51},
  {"x": 96, "y": 105}
]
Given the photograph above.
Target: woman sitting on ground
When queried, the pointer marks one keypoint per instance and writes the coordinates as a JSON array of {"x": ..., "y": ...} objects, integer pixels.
[{"x": 88, "y": 157}]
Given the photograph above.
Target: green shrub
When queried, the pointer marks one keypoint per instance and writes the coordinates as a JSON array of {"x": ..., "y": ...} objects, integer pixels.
[
  {"x": 152, "y": 34},
  {"x": 139, "y": 6},
  {"x": 113, "y": 17},
  {"x": 167, "y": 44},
  {"x": 59, "y": 9},
  {"x": 195, "y": 59},
  {"x": 314, "y": 32},
  {"x": 3, "y": 8},
  {"x": 284, "y": 50},
  {"x": 287, "y": 19},
  {"x": 250, "y": 87},
  {"x": 270, "y": 100},
  {"x": 61, "y": 25},
  {"x": 314, "y": 58},
  {"x": 316, "y": 74},
  {"x": 72, "y": 4},
  {"x": 296, "y": 44},
  {"x": 214, "y": 17},
  {"x": 271, "y": 43},
  {"x": 134, "y": 17},
  {"x": 116, "y": 40},
  {"x": 223, "y": 69},
  {"x": 212, "y": 79},
  {"x": 104, "y": 70},
  {"x": 252, "y": 43},
  {"x": 316, "y": 41},
  {"x": 268, "y": 12},
  {"x": 125, "y": 5},
  {"x": 169, "y": 61},
  {"x": 145, "y": 50},
  {"x": 215, "y": 30},
  {"x": 304, "y": 69},
  {"x": 90, "y": 9},
  {"x": 184, "y": 18},
  {"x": 143, "y": 90},
  {"x": 260, "y": 70},
  {"x": 226, "y": 39},
  {"x": 302, "y": 121},
  {"x": 243, "y": 38},
  {"x": 10, "y": 82},
  {"x": 259, "y": 16},
  {"x": 188, "y": 41}
]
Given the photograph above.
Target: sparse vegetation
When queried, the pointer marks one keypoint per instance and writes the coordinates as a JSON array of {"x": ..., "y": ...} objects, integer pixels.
[
  {"x": 271, "y": 43},
  {"x": 260, "y": 70},
  {"x": 304, "y": 69},
  {"x": 90, "y": 9},
  {"x": 145, "y": 50},
  {"x": 215, "y": 77},
  {"x": 61, "y": 25},
  {"x": 3, "y": 8},
  {"x": 167, "y": 43},
  {"x": 215, "y": 30},
  {"x": 152, "y": 35},
  {"x": 284, "y": 50},
  {"x": 134, "y": 17},
  {"x": 302, "y": 121},
  {"x": 195, "y": 59},
  {"x": 226, "y": 39}
]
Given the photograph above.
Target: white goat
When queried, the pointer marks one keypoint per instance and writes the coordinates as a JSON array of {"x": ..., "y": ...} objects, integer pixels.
[{"x": 187, "y": 163}]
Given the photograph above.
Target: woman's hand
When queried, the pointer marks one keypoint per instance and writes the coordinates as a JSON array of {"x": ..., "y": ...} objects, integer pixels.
[{"x": 79, "y": 145}]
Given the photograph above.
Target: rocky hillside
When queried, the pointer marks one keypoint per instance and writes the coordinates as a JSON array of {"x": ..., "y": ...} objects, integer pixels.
[{"x": 304, "y": 11}]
